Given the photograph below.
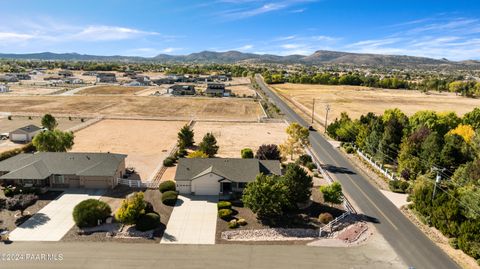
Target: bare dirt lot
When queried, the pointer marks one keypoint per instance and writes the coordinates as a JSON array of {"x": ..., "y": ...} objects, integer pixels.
[
  {"x": 361, "y": 100},
  {"x": 141, "y": 106},
  {"x": 241, "y": 87},
  {"x": 233, "y": 137},
  {"x": 111, "y": 89},
  {"x": 147, "y": 143}
]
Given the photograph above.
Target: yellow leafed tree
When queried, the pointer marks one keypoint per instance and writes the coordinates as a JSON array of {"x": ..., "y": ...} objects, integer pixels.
[{"x": 465, "y": 131}]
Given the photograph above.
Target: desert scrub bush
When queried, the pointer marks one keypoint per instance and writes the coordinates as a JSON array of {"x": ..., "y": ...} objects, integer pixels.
[
  {"x": 167, "y": 186},
  {"x": 325, "y": 217},
  {"x": 87, "y": 213},
  {"x": 224, "y": 205},
  {"x": 225, "y": 214},
  {"x": 169, "y": 198},
  {"x": 242, "y": 222},
  {"x": 147, "y": 222},
  {"x": 453, "y": 242},
  {"x": 233, "y": 224},
  {"x": 247, "y": 153}
]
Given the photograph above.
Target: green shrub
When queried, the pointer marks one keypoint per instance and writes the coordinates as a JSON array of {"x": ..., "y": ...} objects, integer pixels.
[
  {"x": 88, "y": 212},
  {"x": 167, "y": 186},
  {"x": 147, "y": 222},
  {"x": 169, "y": 198},
  {"x": 453, "y": 242},
  {"x": 349, "y": 149},
  {"x": 311, "y": 166},
  {"x": 224, "y": 205},
  {"x": 225, "y": 214},
  {"x": 247, "y": 153},
  {"x": 181, "y": 153},
  {"x": 233, "y": 224},
  {"x": 398, "y": 186},
  {"x": 169, "y": 162},
  {"x": 242, "y": 222},
  {"x": 325, "y": 217},
  {"x": 149, "y": 208},
  {"x": 304, "y": 159}
]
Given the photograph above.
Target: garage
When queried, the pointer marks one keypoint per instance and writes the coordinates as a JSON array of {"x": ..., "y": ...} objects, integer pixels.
[
  {"x": 18, "y": 137},
  {"x": 91, "y": 183},
  {"x": 207, "y": 184},
  {"x": 184, "y": 187}
]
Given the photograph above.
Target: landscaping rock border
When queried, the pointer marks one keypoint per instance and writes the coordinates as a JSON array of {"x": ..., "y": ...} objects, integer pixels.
[{"x": 273, "y": 234}]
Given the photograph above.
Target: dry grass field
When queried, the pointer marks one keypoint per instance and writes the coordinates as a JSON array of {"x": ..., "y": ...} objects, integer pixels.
[
  {"x": 142, "y": 106},
  {"x": 361, "y": 100},
  {"x": 111, "y": 89},
  {"x": 241, "y": 87},
  {"x": 233, "y": 137},
  {"x": 17, "y": 89},
  {"x": 147, "y": 143}
]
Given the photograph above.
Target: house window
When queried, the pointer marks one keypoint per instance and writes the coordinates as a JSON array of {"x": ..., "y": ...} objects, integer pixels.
[
  {"x": 58, "y": 179},
  {"x": 242, "y": 185}
]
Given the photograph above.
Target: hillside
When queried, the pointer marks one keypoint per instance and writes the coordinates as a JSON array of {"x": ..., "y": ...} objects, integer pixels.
[{"x": 318, "y": 58}]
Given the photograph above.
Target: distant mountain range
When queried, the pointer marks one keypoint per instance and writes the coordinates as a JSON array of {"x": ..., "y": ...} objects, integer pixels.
[{"x": 318, "y": 58}]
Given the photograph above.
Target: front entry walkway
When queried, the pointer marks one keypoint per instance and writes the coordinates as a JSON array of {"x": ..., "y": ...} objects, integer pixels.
[
  {"x": 193, "y": 221},
  {"x": 53, "y": 221}
]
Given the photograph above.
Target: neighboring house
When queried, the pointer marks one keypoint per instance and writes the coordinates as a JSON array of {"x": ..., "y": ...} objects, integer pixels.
[
  {"x": 21, "y": 76},
  {"x": 145, "y": 80},
  {"x": 70, "y": 80},
  {"x": 220, "y": 176},
  {"x": 24, "y": 134},
  {"x": 63, "y": 170},
  {"x": 134, "y": 84},
  {"x": 106, "y": 78},
  {"x": 181, "y": 90},
  {"x": 8, "y": 78},
  {"x": 217, "y": 89},
  {"x": 160, "y": 81},
  {"x": 90, "y": 73},
  {"x": 65, "y": 73},
  {"x": 4, "y": 88}
]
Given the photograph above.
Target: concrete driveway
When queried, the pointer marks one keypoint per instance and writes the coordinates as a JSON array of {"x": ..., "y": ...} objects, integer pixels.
[
  {"x": 53, "y": 221},
  {"x": 193, "y": 221}
]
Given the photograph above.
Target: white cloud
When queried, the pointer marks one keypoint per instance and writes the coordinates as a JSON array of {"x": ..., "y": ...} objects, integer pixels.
[
  {"x": 454, "y": 39},
  {"x": 14, "y": 37},
  {"x": 108, "y": 33}
]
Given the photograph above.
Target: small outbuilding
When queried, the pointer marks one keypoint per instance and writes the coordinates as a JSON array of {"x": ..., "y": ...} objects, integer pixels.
[{"x": 24, "y": 134}]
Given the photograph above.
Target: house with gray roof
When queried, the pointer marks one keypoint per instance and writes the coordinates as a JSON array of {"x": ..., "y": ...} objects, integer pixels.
[
  {"x": 63, "y": 170},
  {"x": 220, "y": 176},
  {"x": 24, "y": 134},
  {"x": 181, "y": 90},
  {"x": 217, "y": 90}
]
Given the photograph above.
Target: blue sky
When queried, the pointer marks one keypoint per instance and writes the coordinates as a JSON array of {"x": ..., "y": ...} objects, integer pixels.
[{"x": 437, "y": 29}]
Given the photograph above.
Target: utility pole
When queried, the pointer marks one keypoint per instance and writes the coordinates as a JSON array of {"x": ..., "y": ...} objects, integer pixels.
[
  {"x": 313, "y": 110},
  {"x": 327, "y": 108},
  {"x": 437, "y": 180}
]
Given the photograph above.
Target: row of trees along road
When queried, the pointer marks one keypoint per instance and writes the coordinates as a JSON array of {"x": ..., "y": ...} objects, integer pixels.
[{"x": 421, "y": 147}]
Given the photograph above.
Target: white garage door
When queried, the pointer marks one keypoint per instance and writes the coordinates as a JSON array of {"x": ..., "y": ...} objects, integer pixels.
[
  {"x": 19, "y": 137},
  {"x": 206, "y": 185},
  {"x": 184, "y": 187}
]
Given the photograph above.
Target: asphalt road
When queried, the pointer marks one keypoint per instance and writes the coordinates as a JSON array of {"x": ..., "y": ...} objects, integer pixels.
[
  {"x": 143, "y": 255},
  {"x": 416, "y": 249}
]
